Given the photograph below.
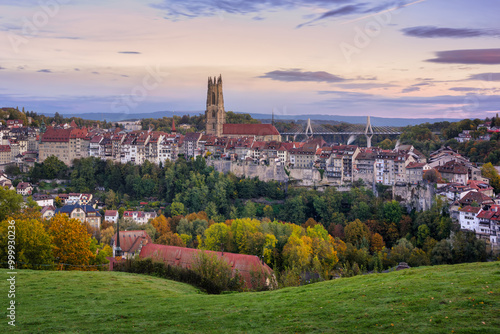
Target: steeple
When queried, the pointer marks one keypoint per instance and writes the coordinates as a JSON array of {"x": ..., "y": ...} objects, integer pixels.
[
  {"x": 215, "y": 115},
  {"x": 173, "y": 126},
  {"x": 118, "y": 250}
]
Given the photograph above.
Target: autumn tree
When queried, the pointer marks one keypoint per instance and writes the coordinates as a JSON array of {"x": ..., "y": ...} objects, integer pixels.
[
  {"x": 71, "y": 241},
  {"x": 217, "y": 237},
  {"x": 32, "y": 243},
  {"x": 357, "y": 234},
  {"x": 161, "y": 224},
  {"x": 377, "y": 243},
  {"x": 171, "y": 239}
]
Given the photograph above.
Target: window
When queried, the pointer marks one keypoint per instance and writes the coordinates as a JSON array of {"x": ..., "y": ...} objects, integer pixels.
[{"x": 213, "y": 98}]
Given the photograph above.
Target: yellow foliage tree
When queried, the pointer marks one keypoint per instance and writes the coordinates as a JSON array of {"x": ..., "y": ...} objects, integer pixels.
[
  {"x": 71, "y": 242},
  {"x": 32, "y": 247},
  {"x": 162, "y": 225}
]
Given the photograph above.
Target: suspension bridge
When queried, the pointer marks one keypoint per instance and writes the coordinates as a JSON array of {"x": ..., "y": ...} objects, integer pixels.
[{"x": 352, "y": 130}]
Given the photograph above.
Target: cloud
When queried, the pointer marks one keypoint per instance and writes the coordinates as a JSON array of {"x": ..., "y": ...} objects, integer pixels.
[
  {"x": 298, "y": 75},
  {"x": 346, "y": 10},
  {"x": 45, "y": 70},
  {"x": 410, "y": 89},
  {"x": 485, "y": 77},
  {"x": 365, "y": 85},
  {"x": 2, "y": 68},
  {"x": 463, "y": 89},
  {"x": 473, "y": 56},
  {"x": 436, "y": 32},
  {"x": 129, "y": 52}
]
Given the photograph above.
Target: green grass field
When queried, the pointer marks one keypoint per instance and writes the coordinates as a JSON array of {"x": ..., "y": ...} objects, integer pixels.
[{"x": 462, "y": 298}]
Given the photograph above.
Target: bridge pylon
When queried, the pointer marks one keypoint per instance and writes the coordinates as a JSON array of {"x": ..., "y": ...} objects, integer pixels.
[{"x": 368, "y": 132}]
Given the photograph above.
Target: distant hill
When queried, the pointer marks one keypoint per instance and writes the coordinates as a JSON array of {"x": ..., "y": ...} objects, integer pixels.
[{"x": 375, "y": 121}]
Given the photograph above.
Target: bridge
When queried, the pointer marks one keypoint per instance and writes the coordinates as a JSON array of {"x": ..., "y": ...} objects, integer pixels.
[{"x": 353, "y": 130}]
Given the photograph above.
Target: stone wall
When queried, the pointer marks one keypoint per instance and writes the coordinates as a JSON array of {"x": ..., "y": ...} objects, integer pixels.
[
  {"x": 265, "y": 173},
  {"x": 419, "y": 197}
]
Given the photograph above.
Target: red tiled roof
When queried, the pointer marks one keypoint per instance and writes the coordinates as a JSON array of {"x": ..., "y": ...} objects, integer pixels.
[
  {"x": 475, "y": 196},
  {"x": 185, "y": 257},
  {"x": 112, "y": 213},
  {"x": 56, "y": 135},
  {"x": 250, "y": 129},
  {"x": 4, "y": 148},
  {"x": 469, "y": 208},
  {"x": 412, "y": 165},
  {"x": 131, "y": 240}
]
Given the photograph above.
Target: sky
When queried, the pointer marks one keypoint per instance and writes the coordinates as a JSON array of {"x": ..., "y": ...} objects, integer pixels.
[{"x": 403, "y": 58}]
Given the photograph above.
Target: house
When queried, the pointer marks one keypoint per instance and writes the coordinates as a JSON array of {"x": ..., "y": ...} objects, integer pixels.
[
  {"x": 467, "y": 218},
  {"x": 79, "y": 198},
  {"x": 48, "y": 212},
  {"x": 14, "y": 123},
  {"x": 140, "y": 217},
  {"x": 5, "y": 154},
  {"x": 131, "y": 242},
  {"x": 24, "y": 188},
  {"x": 454, "y": 171},
  {"x": 260, "y": 132},
  {"x": 245, "y": 265},
  {"x": 5, "y": 182},
  {"x": 111, "y": 216},
  {"x": 84, "y": 213},
  {"x": 191, "y": 147},
  {"x": 477, "y": 197},
  {"x": 43, "y": 200},
  {"x": 415, "y": 172},
  {"x": 484, "y": 222},
  {"x": 482, "y": 187}
]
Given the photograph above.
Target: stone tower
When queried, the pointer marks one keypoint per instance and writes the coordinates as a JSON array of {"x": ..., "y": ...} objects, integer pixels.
[{"x": 215, "y": 116}]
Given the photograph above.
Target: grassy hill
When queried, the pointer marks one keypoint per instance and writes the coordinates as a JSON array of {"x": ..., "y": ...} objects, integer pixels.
[{"x": 462, "y": 298}]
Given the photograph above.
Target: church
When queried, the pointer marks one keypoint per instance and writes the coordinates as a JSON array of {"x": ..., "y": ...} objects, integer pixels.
[{"x": 215, "y": 118}]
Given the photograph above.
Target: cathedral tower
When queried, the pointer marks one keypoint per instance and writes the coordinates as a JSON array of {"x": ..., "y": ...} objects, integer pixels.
[{"x": 215, "y": 116}]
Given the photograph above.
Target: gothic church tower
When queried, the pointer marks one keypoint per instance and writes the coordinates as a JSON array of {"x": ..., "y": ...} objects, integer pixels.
[{"x": 215, "y": 116}]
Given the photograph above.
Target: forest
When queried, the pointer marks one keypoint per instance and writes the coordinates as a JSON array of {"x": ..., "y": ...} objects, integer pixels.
[{"x": 295, "y": 230}]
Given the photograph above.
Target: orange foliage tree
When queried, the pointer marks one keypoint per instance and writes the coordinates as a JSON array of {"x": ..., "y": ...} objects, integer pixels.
[{"x": 71, "y": 242}]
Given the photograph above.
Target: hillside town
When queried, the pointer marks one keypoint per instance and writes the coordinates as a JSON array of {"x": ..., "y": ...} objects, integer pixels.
[{"x": 253, "y": 150}]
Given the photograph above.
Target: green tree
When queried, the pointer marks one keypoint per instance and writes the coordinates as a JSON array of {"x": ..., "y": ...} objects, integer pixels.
[
  {"x": 10, "y": 202},
  {"x": 177, "y": 209}
]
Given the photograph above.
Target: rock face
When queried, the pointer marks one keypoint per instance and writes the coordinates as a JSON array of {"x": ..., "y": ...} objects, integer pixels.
[
  {"x": 419, "y": 197},
  {"x": 273, "y": 172},
  {"x": 402, "y": 265}
]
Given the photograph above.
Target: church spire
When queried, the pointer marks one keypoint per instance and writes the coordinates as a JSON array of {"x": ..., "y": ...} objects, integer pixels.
[{"x": 173, "y": 125}]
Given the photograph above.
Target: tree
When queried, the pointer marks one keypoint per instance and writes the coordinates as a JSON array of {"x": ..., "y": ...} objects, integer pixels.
[
  {"x": 32, "y": 243},
  {"x": 10, "y": 202},
  {"x": 377, "y": 243},
  {"x": 161, "y": 224},
  {"x": 442, "y": 253},
  {"x": 418, "y": 258},
  {"x": 217, "y": 237},
  {"x": 357, "y": 233},
  {"x": 432, "y": 175},
  {"x": 177, "y": 209},
  {"x": 249, "y": 211},
  {"x": 171, "y": 239},
  {"x": 488, "y": 171},
  {"x": 53, "y": 168},
  {"x": 71, "y": 241}
]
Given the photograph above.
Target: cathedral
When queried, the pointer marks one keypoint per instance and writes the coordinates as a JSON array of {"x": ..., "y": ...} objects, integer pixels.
[{"x": 215, "y": 118}]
